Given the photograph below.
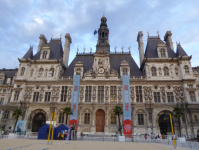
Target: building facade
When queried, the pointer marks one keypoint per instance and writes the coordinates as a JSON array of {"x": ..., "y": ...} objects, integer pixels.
[{"x": 43, "y": 83}]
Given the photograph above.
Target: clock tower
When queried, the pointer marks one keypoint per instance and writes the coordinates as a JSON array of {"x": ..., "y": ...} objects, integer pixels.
[{"x": 103, "y": 34}]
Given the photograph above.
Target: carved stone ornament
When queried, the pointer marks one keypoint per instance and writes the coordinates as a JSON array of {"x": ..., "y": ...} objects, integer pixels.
[
  {"x": 102, "y": 52},
  {"x": 81, "y": 95},
  {"x": 69, "y": 92},
  {"x": 112, "y": 71},
  {"x": 120, "y": 93},
  {"x": 28, "y": 93},
  {"x": 147, "y": 93},
  {"x": 179, "y": 93},
  {"x": 94, "y": 93},
  {"x": 163, "y": 94},
  {"x": 106, "y": 92},
  {"x": 55, "y": 93},
  {"x": 176, "y": 71},
  {"x": 160, "y": 71},
  {"x": 89, "y": 72},
  {"x": 41, "y": 94},
  {"x": 132, "y": 93}
]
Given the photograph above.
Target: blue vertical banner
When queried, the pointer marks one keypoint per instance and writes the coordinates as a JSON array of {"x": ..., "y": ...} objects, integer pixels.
[
  {"x": 75, "y": 100},
  {"x": 20, "y": 126},
  {"x": 126, "y": 105}
]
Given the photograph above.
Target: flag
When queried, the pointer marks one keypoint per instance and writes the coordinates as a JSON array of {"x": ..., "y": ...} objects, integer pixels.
[{"x": 95, "y": 32}]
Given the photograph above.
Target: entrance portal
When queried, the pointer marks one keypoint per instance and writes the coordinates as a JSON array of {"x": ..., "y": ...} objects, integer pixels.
[
  {"x": 100, "y": 120},
  {"x": 38, "y": 121},
  {"x": 164, "y": 124}
]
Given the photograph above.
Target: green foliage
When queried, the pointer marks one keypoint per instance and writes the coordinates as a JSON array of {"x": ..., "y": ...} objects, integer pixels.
[
  {"x": 178, "y": 112},
  {"x": 118, "y": 110},
  {"x": 68, "y": 111},
  {"x": 17, "y": 113}
]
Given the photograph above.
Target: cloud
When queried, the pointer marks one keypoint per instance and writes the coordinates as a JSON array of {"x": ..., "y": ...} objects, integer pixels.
[{"x": 23, "y": 21}]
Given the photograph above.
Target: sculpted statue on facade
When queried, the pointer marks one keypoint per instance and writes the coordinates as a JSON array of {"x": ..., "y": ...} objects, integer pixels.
[
  {"x": 176, "y": 71},
  {"x": 160, "y": 71},
  {"x": 107, "y": 92},
  {"x": 120, "y": 93},
  {"x": 94, "y": 93},
  {"x": 69, "y": 93},
  {"x": 148, "y": 93},
  {"x": 81, "y": 93},
  {"x": 132, "y": 93},
  {"x": 179, "y": 93},
  {"x": 163, "y": 94}
]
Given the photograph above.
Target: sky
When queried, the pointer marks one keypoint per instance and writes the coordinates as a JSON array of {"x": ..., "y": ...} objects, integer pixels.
[{"x": 22, "y": 22}]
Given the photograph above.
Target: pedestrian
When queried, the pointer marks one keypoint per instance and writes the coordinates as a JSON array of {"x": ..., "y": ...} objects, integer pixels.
[
  {"x": 152, "y": 136},
  {"x": 66, "y": 135},
  {"x": 198, "y": 136},
  {"x": 82, "y": 136},
  {"x": 158, "y": 138},
  {"x": 145, "y": 136},
  {"x": 62, "y": 134},
  {"x": 163, "y": 136}
]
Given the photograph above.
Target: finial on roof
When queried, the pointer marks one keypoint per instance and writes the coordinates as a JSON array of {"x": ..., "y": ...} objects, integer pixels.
[
  {"x": 122, "y": 48},
  {"x": 129, "y": 49},
  {"x": 84, "y": 48},
  {"x": 91, "y": 49},
  {"x": 77, "y": 49},
  {"x": 158, "y": 33},
  {"x": 103, "y": 14},
  {"x": 177, "y": 43},
  {"x": 60, "y": 35},
  {"x": 115, "y": 48},
  {"x": 148, "y": 33},
  {"x": 52, "y": 35}
]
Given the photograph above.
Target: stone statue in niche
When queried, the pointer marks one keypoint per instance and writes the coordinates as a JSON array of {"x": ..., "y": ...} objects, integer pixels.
[
  {"x": 179, "y": 93},
  {"x": 81, "y": 93},
  {"x": 160, "y": 71},
  {"x": 107, "y": 93},
  {"x": 163, "y": 94},
  {"x": 120, "y": 93},
  {"x": 148, "y": 93},
  {"x": 70, "y": 93},
  {"x": 100, "y": 63},
  {"x": 132, "y": 93},
  {"x": 176, "y": 71},
  {"x": 94, "y": 93}
]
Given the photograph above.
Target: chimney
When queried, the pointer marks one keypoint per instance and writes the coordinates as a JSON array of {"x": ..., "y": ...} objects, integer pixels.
[
  {"x": 141, "y": 47},
  {"x": 168, "y": 40},
  {"x": 42, "y": 42},
  {"x": 68, "y": 40}
]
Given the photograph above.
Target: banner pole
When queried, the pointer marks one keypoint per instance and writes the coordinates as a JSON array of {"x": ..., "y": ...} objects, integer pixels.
[
  {"x": 172, "y": 132},
  {"x": 53, "y": 127},
  {"x": 50, "y": 127}
]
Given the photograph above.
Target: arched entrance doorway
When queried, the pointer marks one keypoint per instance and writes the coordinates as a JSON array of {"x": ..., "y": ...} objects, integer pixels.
[
  {"x": 164, "y": 124},
  {"x": 100, "y": 120},
  {"x": 38, "y": 121}
]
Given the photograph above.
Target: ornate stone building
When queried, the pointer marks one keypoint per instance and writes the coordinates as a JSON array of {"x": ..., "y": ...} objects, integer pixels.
[{"x": 43, "y": 83}]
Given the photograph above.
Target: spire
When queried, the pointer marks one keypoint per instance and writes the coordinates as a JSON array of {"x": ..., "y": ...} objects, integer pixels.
[
  {"x": 29, "y": 53},
  {"x": 103, "y": 34},
  {"x": 180, "y": 51}
]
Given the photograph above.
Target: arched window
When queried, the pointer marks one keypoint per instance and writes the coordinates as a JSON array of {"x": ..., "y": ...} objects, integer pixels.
[
  {"x": 78, "y": 71},
  {"x": 166, "y": 71},
  {"x": 125, "y": 72},
  {"x": 61, "y": 118},
  {"x": 6, "y": 115},
  {"x": 186, "y": 68},
  {"x": 44, "y": 56},
  {"x": 31, "y": 72},
  {"x": 51, "y": 72},
  {"x": 22, "y": 71},
  {"x": 153, "y": 71},
  {"x": 113, "y": 118},
  {"x": 162, "y": 53}
]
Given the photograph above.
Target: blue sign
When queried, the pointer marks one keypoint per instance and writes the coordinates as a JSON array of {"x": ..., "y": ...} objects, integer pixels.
[{"x": 20, "y": 126}]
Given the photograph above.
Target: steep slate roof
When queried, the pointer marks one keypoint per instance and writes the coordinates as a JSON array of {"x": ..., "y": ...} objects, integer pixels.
[
  {"x": 56, "y": 50},
  {"x": 180, "y": 51},
  {"x": 151, "y": 48},
  {"x": 195, "y": 69},
  {"x": 9, "y": 73},
  {"x": 29, "y": 53},
  {"x": 115, "y": 61}
]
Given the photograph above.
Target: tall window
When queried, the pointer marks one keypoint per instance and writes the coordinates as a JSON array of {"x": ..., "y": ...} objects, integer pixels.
[
  {"x": 113, "y": 118},
  {"x": 113, "y": 95},
  {"x": 16, "y": 95},
  {"x": 156, "y": 97},
  {"x": 138, "y": 93},
  {"x": 22, "y": 71},
  {"x": 195, "y": 118},
  {"x": 44, "y": 55},
  {"x": 162, "y": 53},
  {"x": 36, "y": 97},
  {"x": 153, "y": 71},
  {"x": 140, "y": 119},
  {"x": 186, "y": 68},
  {"x": 61, "y": 118},
  {"x": 2, "y": 100},
  {"x": 125, "y": 72},
  {"x": 166, "y": 71},
  {"x": 78, "y": 71},
  {"x": 64, "y": 93},
  {"x": 9, "y": 100},
  {"x": 31, "y": 72},
  {"x": 100, "y": 94},
  {"x": 170, "y": 97},
  {"x": 87, "y": 118},
  {"x": 6, "y": 115},
  {"x": 192, "y": 96},
  {"x": 51, "y": 72},
  {"x": 47, "y": 97},
  {"x": 88, "y": 94}
]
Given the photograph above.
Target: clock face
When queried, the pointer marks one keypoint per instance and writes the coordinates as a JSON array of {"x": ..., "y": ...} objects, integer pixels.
[{"x": 101, "y": 70}]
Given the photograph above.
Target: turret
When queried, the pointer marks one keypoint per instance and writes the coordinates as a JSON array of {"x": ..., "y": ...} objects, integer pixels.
[
  {"x": 141, "y": 47},
  {"x": 68, "y": 40},
  {"x": 42, "y": 42}
]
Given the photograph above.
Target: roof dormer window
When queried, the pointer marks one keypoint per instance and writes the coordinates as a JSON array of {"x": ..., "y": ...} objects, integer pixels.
[
  {"x": 186, "y": 68},
  {"x": 125, "y": 71},
  {"x": 162, "y": 53},
  {"x": 22, "y": 71},
  {"x": 78, "y": 71},
  {"x": 44, "y": 56}
]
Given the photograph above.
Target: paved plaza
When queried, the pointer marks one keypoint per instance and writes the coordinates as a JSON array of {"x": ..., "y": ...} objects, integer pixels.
[{"x": 19, "y": 144}]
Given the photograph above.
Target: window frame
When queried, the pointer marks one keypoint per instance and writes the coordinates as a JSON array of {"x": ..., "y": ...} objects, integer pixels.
[
  {"x": 88, "y": 93},
  {"x": 1, "y": 101},
  {"x": 6, "y": 114},
  {"x": 157, "y": 98},
  {"x": 47, "y": 96},
  {"x": 166, "y": 71},
  {"x": 162, "y": 53},
  {"x": 113, "y": 119},
  {"x": 64, "y": 92},
  {"x": 139, "y": 97},
  {"x": 124, "y": 71},
  {"x": 61, "y": 117},
  {"x": 36, "y": 97},
  {"x": 87, "y": 118},
  {"x": 44, "y": 55},
  {"x": 100, "y": 95},
  {"x": 113, "y": 94},
  {"x": 16, "y": 95},
  {"x": 140, "y": 119},
  {"x": 22, "y": 71},
  {"x": 192, "y": 96},
  {"x": 170, "y": 97},
  {"x": 153, "y": 71}
]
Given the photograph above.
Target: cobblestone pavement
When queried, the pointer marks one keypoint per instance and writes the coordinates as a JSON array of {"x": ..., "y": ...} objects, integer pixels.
[{"x": 19, "y": 144}]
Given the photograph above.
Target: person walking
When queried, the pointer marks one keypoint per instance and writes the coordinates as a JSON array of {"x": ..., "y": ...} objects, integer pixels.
[
  {"x": 62, "y": 134},
  {"x": 198, "y": 136},
  {"x": 145, "y": 136},
  {"x": 152, "y": 137},
  {"x": 82, "y": 136},
  {"x": 66, "y": 135},
  {"x": 158, "y": 137}
]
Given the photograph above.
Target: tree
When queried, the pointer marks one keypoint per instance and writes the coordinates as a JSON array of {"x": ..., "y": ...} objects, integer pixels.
[
  {"x": 67, "y": 111},
  {"x": 178, "y": 112},
  {"x": 118, "y": 110},
  {"x": 16, "y": 114}
]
